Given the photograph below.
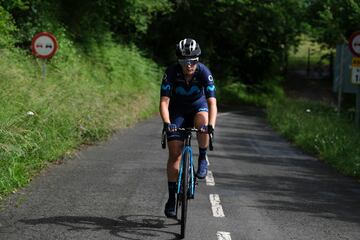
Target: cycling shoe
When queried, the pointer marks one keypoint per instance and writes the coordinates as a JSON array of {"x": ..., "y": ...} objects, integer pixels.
[
  {"x": 170, "y": 211},
  {"x": 202, "y": 169}
]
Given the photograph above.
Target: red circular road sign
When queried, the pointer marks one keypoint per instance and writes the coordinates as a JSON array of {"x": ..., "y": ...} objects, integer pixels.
[
  {"x": 354, "y": 43},
  {"x": 44, "y": 45}
]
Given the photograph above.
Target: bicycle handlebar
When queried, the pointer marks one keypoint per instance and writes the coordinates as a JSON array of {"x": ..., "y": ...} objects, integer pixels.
[
  {"x": 211, "y": 136},
  {"x": 188, "y": 130}
]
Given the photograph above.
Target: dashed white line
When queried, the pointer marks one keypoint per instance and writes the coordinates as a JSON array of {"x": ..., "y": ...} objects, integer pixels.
[
  {"x": 216, "y": 207},
  {"x": 210, "y": 179},
  {"x": 223, "y": 235}
]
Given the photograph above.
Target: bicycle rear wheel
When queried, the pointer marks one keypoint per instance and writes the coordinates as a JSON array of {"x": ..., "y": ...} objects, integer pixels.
[{"x": 184, "y": 197}]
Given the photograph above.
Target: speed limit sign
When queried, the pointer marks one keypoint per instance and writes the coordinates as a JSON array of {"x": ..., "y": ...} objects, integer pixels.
[{"x": 44, "y": 45}]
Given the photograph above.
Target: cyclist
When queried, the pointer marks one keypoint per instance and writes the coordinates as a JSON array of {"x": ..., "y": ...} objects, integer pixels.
[{"x": 187, "y": 100}]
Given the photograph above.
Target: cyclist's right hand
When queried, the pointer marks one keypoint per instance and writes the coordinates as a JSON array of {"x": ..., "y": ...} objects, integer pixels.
[{"x": 170, "y": 127}]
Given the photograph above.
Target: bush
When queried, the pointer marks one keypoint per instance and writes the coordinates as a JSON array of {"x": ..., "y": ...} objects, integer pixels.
[
  {"x": 83, "y": 99},
  {"x": 319, "y": 130}
]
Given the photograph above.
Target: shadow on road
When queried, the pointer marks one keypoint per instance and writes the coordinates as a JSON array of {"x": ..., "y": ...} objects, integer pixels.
[
  {"x": 280, "y": 176},
  {"x": 125, "y": 227}
]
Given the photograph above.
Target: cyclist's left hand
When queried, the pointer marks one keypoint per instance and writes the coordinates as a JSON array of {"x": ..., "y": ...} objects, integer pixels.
[{"x": 210, "y": 129}]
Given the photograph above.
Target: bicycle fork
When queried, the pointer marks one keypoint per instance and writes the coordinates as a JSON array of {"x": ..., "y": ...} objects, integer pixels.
[{"x": 192, "y": 180}]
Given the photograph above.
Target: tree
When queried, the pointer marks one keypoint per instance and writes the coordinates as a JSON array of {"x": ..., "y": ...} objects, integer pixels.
[
  {"x": 242, "y": 39},
  {"x": 333, "y": 21}
]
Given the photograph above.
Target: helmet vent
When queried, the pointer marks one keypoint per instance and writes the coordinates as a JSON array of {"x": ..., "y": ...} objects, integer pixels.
[{"x": 188, "y": 48}]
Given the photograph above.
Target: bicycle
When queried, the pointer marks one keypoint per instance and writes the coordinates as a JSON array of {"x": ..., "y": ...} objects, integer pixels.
[{"x": 187, "y": 179}]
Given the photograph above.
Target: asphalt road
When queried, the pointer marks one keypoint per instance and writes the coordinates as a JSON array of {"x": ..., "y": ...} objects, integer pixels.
[{"x": 262, "y": 189}]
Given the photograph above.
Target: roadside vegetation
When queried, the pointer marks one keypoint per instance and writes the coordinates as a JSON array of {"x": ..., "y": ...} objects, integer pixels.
[
  {"x": 316, "y": 127},
  {"x": 111, "y": 57},
  {"x": 82, "y": 100},
  {"x": 308, "y": 53}
]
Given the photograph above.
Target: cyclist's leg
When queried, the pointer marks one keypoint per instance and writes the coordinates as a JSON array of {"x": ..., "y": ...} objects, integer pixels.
[
  {"x": 172, "y": 175},
  {"x": 175, "y": 143},
  {"x": 201, "y": 118},
  {"x": 173, "y": 163}
]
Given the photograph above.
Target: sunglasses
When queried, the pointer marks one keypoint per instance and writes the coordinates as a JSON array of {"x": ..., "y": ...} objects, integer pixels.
[{"x": 188, "y": 61}]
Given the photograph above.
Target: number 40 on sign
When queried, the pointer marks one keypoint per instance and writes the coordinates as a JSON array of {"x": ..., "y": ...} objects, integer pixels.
[{"x": 355, "y": 71}]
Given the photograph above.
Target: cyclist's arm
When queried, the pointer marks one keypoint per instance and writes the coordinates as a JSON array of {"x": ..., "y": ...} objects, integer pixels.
[
  {"x": 212, "y": 110},
  {"x": 164, "y": 109},
  {"x": 210, "y": 94},
  {"x": 165, "y": 93}
]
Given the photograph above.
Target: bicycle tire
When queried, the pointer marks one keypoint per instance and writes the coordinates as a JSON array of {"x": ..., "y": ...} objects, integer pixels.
[
  {"x": 184, "y": 197},
  {"x": 178, "y": 201}
]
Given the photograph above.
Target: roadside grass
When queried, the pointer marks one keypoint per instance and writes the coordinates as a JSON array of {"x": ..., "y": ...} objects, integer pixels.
[
  {"x": 314, "y": 127},
  {"x": 84, "y": 98},
  {"x": 319, "y": 130},
  {"x": 260, "y": 95}
]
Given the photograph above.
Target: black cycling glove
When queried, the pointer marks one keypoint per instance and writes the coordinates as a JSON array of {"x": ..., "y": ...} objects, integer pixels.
[
  {"x": 210, "y": 129},
  {"x": 169, "y": 127}
]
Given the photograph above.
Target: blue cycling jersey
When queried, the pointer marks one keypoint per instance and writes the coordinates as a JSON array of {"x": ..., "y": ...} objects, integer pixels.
[
  {"x": 186, "y": 98},
  {"x": 180, "y": 92}
]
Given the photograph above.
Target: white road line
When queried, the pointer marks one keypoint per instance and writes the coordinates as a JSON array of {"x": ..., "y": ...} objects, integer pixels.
[
  {"x": 223, "y": 114},
  {"x": 210, "y": 179},
  {"x": 207, "y": 159},
  {"x": 223, "y": 235},
  {"x": 216, "y": 207}
]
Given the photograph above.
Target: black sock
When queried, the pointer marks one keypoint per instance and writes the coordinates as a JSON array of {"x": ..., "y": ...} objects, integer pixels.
[
  {"x": 202, "y": 153},
  {"x": 172, "y": 190}
]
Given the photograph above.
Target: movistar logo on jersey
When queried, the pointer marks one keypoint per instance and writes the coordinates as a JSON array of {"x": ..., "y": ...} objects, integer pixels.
[
  {"x": 210, "y": 88},
  {"x": 165, "y": 87},
  {"x": 203, "y": 110},
  {"x": 182, "y": 91}
]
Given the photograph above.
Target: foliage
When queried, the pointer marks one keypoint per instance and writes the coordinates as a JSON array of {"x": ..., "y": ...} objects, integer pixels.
[
  {"x": 84, "y": 20},
  {"x": 333, "y": 21},
  {"x": 318, "y": 129},
  {"x": 243, "y": 39},
  {"x": 82, "y": 99},
  {"x": 262, "y": 95},
  {"x": 7, "y": 27},
  {"x": 309, "y": 53},
  {"x": 127, "y": 19},
  {"x": 92, "y": 78}
]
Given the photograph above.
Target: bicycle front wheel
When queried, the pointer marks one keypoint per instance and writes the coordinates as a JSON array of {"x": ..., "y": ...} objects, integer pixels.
[{"x": 184, "y": 197}]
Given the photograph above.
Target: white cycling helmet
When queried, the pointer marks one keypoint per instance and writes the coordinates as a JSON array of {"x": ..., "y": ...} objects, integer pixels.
[{"x": 188, "y": 48}]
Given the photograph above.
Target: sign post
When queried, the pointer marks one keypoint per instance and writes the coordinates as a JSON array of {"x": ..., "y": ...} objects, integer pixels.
[
  {"x": 354, "y": 45},
  {"x": 44, "y": 46},
  {"x": 340, "y": 89}
]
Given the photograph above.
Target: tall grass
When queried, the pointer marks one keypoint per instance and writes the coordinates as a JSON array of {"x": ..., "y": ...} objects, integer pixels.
[
  {"x": 314, "y": 127},
  {"x": 84, "y": 97},
  {"x": 261, "y": 95},
  {"x": 319, "y": 130}
]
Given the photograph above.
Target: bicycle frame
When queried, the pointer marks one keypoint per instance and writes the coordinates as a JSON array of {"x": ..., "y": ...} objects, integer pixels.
[
  {"x": 186, "y": 179},
  {"x": 191, "y": 187}
]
